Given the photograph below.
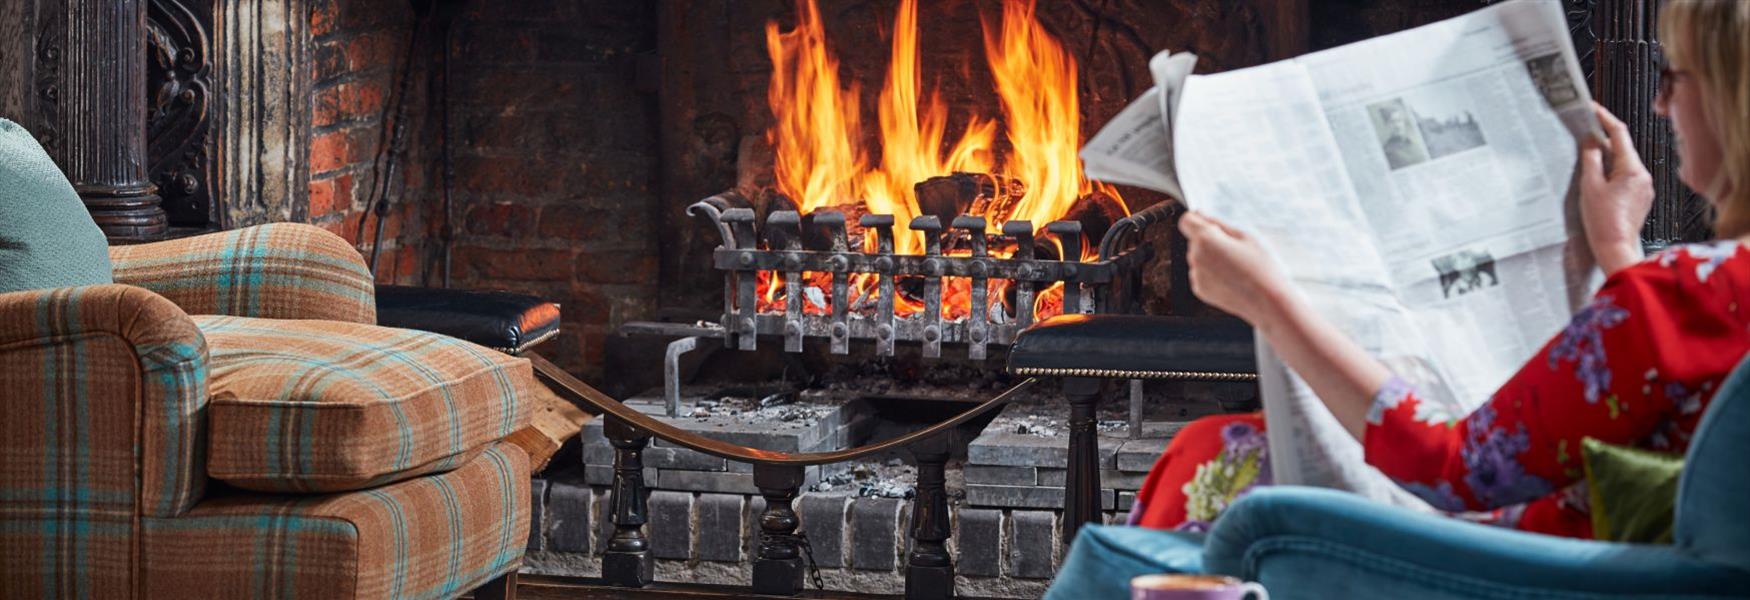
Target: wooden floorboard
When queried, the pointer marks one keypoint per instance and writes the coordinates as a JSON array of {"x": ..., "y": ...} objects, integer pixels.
[{"x": 538, "y": 587}]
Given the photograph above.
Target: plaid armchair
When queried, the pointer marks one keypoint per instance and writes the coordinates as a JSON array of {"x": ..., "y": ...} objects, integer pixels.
[{"x": 104, "y": 489}]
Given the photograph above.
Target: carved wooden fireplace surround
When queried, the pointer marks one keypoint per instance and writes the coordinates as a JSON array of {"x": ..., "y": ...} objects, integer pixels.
[{"x": 165, "y": 113}]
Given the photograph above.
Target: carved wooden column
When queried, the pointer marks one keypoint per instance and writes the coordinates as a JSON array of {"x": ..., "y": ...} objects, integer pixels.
[
  {"x": 929, "y": 570},
  {"x": 627, "y": 560},
  {"x": 778, "y": 568},
  {"x": 90, "y": 69},
  {"x": 1081, "y": 494},
  {"x": 261, "y": 71}
]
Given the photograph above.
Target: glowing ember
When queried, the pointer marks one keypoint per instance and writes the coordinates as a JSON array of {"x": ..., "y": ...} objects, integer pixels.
[{"x": 820, "y": 164}]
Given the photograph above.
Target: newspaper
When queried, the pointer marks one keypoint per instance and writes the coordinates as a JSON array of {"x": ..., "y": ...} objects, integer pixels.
[{"x": 1417, "y": 188}]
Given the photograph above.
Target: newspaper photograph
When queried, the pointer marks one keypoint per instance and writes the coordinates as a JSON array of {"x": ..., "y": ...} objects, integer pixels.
[{"x": 1417, "y": 188}]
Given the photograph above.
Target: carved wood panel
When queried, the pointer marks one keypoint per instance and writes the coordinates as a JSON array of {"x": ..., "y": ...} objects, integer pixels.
[{"x": 180, "y": 108}]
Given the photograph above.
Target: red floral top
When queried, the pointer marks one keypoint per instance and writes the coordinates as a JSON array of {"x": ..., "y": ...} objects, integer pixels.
[{"x": 1636, "y": 366}]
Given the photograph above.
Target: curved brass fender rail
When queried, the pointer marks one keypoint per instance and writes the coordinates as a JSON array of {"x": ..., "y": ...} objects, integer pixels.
[{"x": 570, "y": 386}]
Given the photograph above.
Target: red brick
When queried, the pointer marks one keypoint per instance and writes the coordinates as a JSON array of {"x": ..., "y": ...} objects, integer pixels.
[
  {"x": 617, "y": 267},
  {"x": 536, "y": 89},
  {"x": 350, "y": 226},
  {"x": 407, "y": 267},
  {"x": 324, "y": 16},
  {"x": 594, "y": 350},
  {"x": 335, "y": 227},
  {"x": 585, "y": 305},
  {"x": 505, "y": 219},
  {"x": 491, "y": 264},
  {"x": 374, "y": 49},
  {"x": 362, "y": 143},
  {"x": 327, "y": 59},
  {"x": 330, "y": 194},
  {"x": 387, "y": 261},
  {"x": 579, "y": 223},
  {"x": 329, "y": 152},
  {"x": 349, "y": 101}
]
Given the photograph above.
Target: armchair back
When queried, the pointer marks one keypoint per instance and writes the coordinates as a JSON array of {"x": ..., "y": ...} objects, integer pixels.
[
  {"x": 1710, "y": 519},
  {"x": 273, "y": 271}
]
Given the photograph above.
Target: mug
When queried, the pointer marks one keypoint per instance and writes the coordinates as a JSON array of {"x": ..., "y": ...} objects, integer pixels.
[{"x": 1193, "y": 587}]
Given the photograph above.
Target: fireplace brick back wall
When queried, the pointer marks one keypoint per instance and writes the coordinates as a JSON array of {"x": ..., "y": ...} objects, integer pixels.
[
  {"x": 553, "y": 149},
  {"x": 556, "y": 162},
  {"x": 356, "y": 49}
]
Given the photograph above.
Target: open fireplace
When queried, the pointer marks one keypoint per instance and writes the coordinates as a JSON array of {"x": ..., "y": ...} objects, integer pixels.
[{"x": 864, "y": 203}]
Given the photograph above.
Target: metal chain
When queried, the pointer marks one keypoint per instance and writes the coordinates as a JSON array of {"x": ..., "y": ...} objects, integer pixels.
[{"x": 808, "y": 554}]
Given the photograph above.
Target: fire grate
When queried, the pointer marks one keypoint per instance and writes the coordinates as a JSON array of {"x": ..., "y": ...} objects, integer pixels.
[{"x": 789, "y": 245}]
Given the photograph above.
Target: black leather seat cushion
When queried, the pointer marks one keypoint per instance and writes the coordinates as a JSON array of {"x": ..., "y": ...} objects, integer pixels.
[
  {"x": 502, "y": 321},
  {"x": 1137, "y": 347}
]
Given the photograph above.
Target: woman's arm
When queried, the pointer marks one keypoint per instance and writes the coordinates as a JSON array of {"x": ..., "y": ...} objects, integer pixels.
[
  {"x": 1600, "y": 377},
  {"x": 1614, "y": 204},
  {"x": 1231, "y": 271}
]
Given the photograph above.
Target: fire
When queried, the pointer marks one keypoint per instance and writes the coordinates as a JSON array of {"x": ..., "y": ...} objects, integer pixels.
[
  {"x": 911, "y": 142},
  {"x": 820, "y": 162},
  {"x": 1036, "y": 80}
]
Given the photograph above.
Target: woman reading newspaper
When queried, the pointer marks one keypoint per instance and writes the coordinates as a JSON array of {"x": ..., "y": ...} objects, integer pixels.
[{"x": 1637, "y": 366}]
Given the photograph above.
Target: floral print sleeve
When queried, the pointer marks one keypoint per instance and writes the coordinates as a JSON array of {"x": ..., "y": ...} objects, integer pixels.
[{"x": 1635, "y": 366}]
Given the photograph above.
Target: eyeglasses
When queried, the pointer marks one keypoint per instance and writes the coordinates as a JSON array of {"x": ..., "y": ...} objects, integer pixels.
[{"x": 1668, "y": 79}]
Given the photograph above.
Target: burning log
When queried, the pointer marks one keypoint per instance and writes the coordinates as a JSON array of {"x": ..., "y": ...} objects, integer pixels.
[
  {"x": 1096, "y": 212},
  {"x": 955, "y": 194}
]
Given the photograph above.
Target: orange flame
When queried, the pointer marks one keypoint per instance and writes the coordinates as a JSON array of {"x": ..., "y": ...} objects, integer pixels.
[
  {"x": 911, "y": 140},
  {"x": 815, "y": 129},
  {"x": 820, "y": 162},
  {"x": 1036, "y": 80}
]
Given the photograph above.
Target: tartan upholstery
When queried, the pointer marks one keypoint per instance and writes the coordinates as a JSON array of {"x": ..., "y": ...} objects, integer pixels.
[
  {"x": 430, "y": 537},
  {"x": 104, "y": 441},
  {"x": 277, "y": 271},
  {"x": 102, "y": 389},
  {"x": 319, "y": 406}
]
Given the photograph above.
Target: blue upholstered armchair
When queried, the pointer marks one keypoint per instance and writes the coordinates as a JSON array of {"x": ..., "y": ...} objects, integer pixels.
[{"x": 1312, "y": 543}]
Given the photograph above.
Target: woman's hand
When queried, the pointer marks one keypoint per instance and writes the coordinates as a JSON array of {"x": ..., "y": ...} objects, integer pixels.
[
  {"x": 1614, "y": 201},
  {"x": 1231, "y": 270}
]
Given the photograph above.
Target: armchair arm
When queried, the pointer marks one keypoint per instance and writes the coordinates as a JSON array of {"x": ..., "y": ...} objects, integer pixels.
[
  {"x": 103, "y": 389},
  {"x": 1314, "y": 543},
  {"x": 278, "y": 270}
]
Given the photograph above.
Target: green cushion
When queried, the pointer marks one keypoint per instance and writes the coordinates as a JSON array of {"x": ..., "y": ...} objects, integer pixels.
[
  {"x": 47, "y": 239},
  {"x": 1633, "y": 492}
]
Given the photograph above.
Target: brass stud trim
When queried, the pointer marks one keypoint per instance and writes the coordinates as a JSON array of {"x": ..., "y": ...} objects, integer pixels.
[{"x": 1129, "y": 374}]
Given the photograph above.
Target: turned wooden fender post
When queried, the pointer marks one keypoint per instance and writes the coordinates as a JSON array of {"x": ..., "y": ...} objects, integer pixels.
[
  {"x": 778, "y": 568},
  {"x": 1081, "y": 501},
  {"x": 929, "y": 571},
  {"x": 627, "y": 560}
]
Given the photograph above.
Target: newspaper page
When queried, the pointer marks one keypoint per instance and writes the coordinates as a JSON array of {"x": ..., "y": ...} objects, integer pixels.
[
  {"x": 1136, "y": 148},
  {"x": 1417, "y": 189}
]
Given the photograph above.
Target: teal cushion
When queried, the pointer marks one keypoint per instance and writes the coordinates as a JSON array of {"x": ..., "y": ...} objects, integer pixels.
[
  {"x": 1633, "y": 491},
  {"x": 47, "y": 239}
]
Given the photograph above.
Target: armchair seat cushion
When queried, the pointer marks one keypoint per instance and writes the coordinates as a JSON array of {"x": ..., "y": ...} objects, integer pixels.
[
  {"x": 430, "y": 537},
  {"x": 322, "y": 406}
]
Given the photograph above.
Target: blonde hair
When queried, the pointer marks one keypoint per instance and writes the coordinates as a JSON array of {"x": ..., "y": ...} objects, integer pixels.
[{"x": 1711, "y": 40}]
